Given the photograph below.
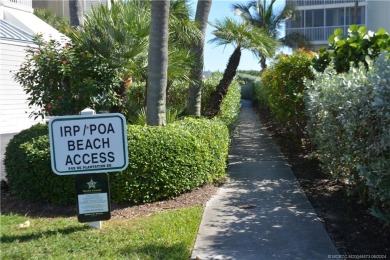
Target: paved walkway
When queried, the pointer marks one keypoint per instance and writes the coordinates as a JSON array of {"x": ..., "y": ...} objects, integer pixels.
[{"x": 261, "y": 212}]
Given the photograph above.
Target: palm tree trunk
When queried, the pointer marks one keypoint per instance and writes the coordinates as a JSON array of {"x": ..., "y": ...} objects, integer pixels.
[
  {"x": 218, "y": 95},
  {"x": 263, "y": 63},
  {"x": 195, "y": 89},
  {"x": 76, "y": 12},
  {"x": 157, "y": 63}
]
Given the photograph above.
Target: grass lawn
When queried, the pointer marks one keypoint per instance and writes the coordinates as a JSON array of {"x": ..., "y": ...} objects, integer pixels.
[{"x": 164, "y": 235}]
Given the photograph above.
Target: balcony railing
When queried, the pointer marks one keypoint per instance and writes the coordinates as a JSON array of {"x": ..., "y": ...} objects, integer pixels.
[
  {"x": 320, "y": 2},
  {"x": 15, "y": 3},
  {"x": 318, "y": 34}
]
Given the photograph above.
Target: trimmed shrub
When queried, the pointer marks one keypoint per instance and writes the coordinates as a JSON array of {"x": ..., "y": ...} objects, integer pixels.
[
  {"x": 231, "y": 104},
  {"x": 260, "y": 95},
  {"x": 349, "y": 118},
  {"x": 283, "y": 88},
  {"x": 29, "y": 174},
  {"x": 167, "y": 161},
  {"x": 163, "y": 162},
  {"x": 230, "y": 107},
  {"x": 209, "y": 84}
]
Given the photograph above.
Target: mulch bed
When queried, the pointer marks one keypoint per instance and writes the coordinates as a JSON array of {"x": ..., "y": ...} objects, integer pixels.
[{"x": 14, "y": 205}]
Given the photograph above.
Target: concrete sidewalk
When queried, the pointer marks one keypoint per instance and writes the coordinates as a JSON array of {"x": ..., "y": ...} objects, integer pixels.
[{"x": 261, "y": 212}]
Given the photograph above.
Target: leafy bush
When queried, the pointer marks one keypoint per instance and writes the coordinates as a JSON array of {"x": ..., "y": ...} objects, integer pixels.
[
  {"x": 63, "y": 80},
  {"x": 352, "y": 49},
  {"x": 163, "y": 162},
  {"x": 248, "y": 82},
  {"x": 283, "y": 88},
  {"x": 166, "y": 161},
  {"x": 209, "y": 84},
  {"x": 349, "y": 118},
  {"x": 29, "y": 174},
  {"x": 230, "y": 107},
  {"x": 260, "y": 95}
]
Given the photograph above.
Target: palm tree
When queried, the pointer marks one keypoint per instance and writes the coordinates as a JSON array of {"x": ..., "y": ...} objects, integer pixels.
[
  {"x": 119, "y": 35},
  {"x": 157, "y": 63},
  {"x": 183, "y": 33},
  {"x": 76, "y": 12},
  {"x": 195, "y": 89},
  {"x": 241, "y": 36},
  {"x": 262, "y": 14}
]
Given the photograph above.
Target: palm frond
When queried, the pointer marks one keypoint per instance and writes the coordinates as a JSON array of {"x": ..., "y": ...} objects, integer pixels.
[{"x": 238, "y": 33}]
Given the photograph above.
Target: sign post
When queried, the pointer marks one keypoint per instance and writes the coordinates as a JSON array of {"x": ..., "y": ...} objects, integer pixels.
[
  {"x": 93, "y": 197},
  {"x": 89, "y": 145}
]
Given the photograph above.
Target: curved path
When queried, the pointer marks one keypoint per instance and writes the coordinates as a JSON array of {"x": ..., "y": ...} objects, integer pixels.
[{"x": 261, "y": 212}]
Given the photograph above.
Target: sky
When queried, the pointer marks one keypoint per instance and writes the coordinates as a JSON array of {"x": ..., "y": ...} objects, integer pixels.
[{"x": 216, "y": 58}]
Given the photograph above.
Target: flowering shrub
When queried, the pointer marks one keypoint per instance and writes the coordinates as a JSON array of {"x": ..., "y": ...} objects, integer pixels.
[
  {"x": 282, "y": 88},
  {"x": 63, "y": 80},
  {"x": 349, "y": 119},
  {"x": 352, "y": 49}
]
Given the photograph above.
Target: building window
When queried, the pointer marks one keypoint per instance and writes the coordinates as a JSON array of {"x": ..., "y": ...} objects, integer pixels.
[
  {"x": 314, "y": 18},
  {"x": 334, "y": 16},
  {"x": 297, "y": 20},
  {"x": 360, "y": 15}
]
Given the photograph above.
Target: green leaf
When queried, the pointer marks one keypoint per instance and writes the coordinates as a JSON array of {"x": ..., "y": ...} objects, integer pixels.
[
  {"x": 338, "y": 32},
  {"x": 331, "y": 39},
  {"x": 362, "y": 30},
  {"x": 381, "y": 31},
  {"x": 353, "y": 45}
]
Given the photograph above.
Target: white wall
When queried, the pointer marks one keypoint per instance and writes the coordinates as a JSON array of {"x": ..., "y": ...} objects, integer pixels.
[
  {"x": 378, "y": 15},
  {"x": 14, "y": 111}
]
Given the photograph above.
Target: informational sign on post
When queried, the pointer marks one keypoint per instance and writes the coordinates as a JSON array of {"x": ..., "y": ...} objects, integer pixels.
[
  {"x": 93, "y": 197},
  {"x": 88, "y": 144}
]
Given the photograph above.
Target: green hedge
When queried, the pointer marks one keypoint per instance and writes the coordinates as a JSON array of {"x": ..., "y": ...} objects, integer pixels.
[
  {"x": 163, "y": 162},
  {"x": 231, "y": 104},
  {"x": 29, "y": 174},
  {"x": 166, "y": 161}
]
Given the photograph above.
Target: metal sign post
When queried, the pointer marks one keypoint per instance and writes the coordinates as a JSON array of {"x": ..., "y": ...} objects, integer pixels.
[{"x": 93, "y": 197}]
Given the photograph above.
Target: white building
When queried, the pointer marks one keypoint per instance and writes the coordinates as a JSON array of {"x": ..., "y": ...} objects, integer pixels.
[
  {"x": 61, "y": 7},
  {"x": 18, "y": 25},
  {"x": 317, "y": 19}
]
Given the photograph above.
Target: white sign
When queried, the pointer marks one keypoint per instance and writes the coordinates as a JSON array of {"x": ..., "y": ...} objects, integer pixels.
[
  {"x": 93, "y": 203},
  {"x": 88, "y": 144}
]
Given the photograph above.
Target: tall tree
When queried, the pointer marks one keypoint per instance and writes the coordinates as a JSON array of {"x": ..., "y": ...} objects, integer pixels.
[
  {"x": 241, "y": 36},
  {"x": 263, "y": 14},
  {"x": 157, "y": 63},
  {"x": 76, "y": 12},
  {"x": 195, "y": 89}
]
